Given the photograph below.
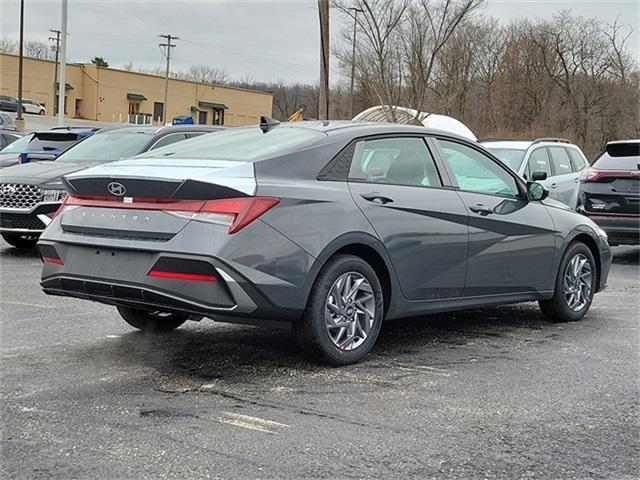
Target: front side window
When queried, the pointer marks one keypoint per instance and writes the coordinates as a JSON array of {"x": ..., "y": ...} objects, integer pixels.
[
  {"x": 560, "y": 161},
  {"x": 475, "y": 172},
  {"x": 538, "y": 162},
  {"x": 395, "y": 161},
  {"x": 511, "y": 157}
]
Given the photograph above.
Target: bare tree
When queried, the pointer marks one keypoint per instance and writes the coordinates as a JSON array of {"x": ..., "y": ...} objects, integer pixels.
[{"x": 207, "y": 74}]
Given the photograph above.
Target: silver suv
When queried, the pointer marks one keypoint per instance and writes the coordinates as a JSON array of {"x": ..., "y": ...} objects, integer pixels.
[{"x": 562, "y": 161}]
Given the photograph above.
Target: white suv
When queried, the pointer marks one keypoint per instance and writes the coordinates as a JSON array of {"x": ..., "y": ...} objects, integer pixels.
[{"x": 562, "y": 161}]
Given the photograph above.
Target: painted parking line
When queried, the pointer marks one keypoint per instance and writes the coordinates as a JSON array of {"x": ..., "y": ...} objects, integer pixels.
[{"x": 252, "y": 423}]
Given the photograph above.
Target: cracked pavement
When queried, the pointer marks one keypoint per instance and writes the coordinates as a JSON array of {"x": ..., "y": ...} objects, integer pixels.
[{"x": 491, "y": 393}]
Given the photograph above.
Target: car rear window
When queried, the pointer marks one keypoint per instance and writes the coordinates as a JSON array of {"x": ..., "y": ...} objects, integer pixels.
[
  {"x": 108, "y": 147},
  {"x": 621, "y": 156},
  {"x": 52, "y": 141},
  {"x": 242, "y": 144},
  {"x": 511, "y": 157}
]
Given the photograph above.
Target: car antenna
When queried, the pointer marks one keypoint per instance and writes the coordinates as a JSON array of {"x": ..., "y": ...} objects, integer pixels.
[{"x": 266, "y": 124}]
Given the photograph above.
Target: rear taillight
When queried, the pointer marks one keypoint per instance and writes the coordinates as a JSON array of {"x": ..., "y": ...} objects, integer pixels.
[
  {"x": 240, "y": 212},
  {"x": 236, "y": 213},
  {"x": 593, "y": 175},
  {"x": 194, "y": 277}
]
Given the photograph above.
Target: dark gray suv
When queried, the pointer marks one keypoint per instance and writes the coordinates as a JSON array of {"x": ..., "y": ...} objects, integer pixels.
[{"x": 325, "y": 228}]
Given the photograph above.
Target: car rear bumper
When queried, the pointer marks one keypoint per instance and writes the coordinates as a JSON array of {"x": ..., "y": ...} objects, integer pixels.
[
  {"x": 124, "y": 278},
  {"x": 621, "y": 229}
]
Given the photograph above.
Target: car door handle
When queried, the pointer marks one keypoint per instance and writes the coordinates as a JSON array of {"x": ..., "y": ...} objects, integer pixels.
[
  {"x": 554, "y": 185},
  {"x": 376, "y": 198},
  {"x": 481, "y": 209},
  {"x": 576, "y": 180}
]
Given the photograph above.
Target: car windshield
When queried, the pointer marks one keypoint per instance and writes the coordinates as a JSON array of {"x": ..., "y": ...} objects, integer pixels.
[
  {"x": 108, "y": 147},
  {"x": 622, "y": 156},
  {"x": 511, "y": 157},
  {"x": 18, "y": 146},
  {"x": 242, "y": 144}
]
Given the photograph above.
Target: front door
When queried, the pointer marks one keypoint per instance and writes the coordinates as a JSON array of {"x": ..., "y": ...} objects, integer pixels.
[
  {"x": 202, "y": 117},
  {"x": 511, "y": 240},
  {"x": 396, "y": 183}
]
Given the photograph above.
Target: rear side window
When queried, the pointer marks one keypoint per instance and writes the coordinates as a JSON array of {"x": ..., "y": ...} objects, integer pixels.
[
  {"x": 560, "y": 161},
  {"x": 395, "y": 161},
  {"x": 241, "y": 144},
  {"x": 169, "y": 139},
  {"x": 578, "y": 160}
]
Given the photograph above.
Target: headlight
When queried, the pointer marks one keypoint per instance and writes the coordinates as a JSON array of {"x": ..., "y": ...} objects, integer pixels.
[{"x": 51, "y": 195}]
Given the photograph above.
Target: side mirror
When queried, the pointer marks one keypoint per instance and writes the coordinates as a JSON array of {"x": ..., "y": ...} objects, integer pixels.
[
  {"x": 537, "y": 191},
  {"x": 538, "y": 176}
]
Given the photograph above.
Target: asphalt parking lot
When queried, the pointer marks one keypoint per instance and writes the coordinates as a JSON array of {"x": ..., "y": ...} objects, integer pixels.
[{"x": 493, "y": 393}]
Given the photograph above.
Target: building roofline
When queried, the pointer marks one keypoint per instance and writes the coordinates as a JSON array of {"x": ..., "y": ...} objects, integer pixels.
[{"x": 82, "y": 64}]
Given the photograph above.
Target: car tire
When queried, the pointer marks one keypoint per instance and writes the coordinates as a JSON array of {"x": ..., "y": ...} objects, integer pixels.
[
  {"x": 152, "y": 322},
  {"x": 341, "y": 345},
  {"x": 41, "y": 112},
  {"x": 573, "y": 291},
  {"x": 20, "y": 241}
]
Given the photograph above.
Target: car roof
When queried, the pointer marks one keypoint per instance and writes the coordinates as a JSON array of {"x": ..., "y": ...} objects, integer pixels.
[
  {"x": 341, "y": 127},
  {"x": 620, "y": 142},
  {"x": 508, "y": 144},
  {"x": 155, "y": 130}
]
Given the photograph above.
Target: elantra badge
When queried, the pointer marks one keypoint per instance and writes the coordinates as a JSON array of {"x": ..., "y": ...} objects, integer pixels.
[{"x": 117, "y": 189}]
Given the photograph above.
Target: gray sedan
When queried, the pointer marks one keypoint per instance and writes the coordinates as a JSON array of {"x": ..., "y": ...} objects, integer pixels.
[{"x": 325, "y": 228}]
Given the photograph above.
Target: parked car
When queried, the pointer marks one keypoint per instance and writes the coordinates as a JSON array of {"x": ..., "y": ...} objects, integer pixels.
[
  {"x": 31, "y": 106},
  {"x": 561, "y": 161},
  {"x": 49, "y": 144},
  {"x": 7, "y": 121},
  {"x": 8, "y": 103},
  {"x": 7, "y": 137},
  {"x": 10, "y": 154},
  {"x": 326, "y": 228},
  {"x": 610, "y": 192},
  {"x": 30, "y": 194}
]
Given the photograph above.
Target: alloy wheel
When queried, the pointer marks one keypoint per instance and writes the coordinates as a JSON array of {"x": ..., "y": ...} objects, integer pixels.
[
  {"x": 578, "y": 282},
  {"x": 350, "y": 311}
]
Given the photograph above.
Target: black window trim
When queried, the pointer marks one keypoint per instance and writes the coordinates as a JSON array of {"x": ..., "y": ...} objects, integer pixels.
[
  {"x": 445, "y": 178},
  {"x": 520, "y": 184}
]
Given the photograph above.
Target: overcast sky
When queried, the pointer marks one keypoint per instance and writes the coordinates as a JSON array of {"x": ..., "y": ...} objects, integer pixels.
[{"x": 262, "y": 40}]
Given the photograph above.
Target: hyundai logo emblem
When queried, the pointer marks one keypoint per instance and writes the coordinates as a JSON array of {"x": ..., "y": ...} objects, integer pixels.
[
  {"x": 117, "y": 189},
  {"x": 8, "y": 190}
]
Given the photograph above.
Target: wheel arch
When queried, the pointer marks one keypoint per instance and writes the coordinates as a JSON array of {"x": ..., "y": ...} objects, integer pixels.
[
  {"x": 592, "y": 245},
  {"x": 371, "y": 250}
]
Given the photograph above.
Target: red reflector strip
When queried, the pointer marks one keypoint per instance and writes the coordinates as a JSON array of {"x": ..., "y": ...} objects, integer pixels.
[
  {"x": 183, "y": 276},
  {"x": 53, "y": 260}
]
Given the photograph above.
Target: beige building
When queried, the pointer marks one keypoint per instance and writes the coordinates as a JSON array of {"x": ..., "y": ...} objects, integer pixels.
[{"x": 110, "y": 95}]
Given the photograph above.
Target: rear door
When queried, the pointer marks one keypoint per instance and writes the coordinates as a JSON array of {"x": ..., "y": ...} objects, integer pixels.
[
  {"x": 511, "y": 240},
  {"x": 563, "y": 186},
  {"x": 396, "y": 183}
]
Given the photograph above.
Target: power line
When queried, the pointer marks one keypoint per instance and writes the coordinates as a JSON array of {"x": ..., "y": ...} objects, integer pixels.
[{"x": 168, "y": 46}]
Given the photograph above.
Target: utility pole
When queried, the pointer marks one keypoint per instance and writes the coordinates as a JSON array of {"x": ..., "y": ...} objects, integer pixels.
[
  {"x": 55, "y": 74},
  {"x": 168, "y": 46},
  {"x": 19, "y": 119},
  {"x": 63, "y": 63},
  {"x": 353, "y": 56},
  {"x": 323, "y": 100}
]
